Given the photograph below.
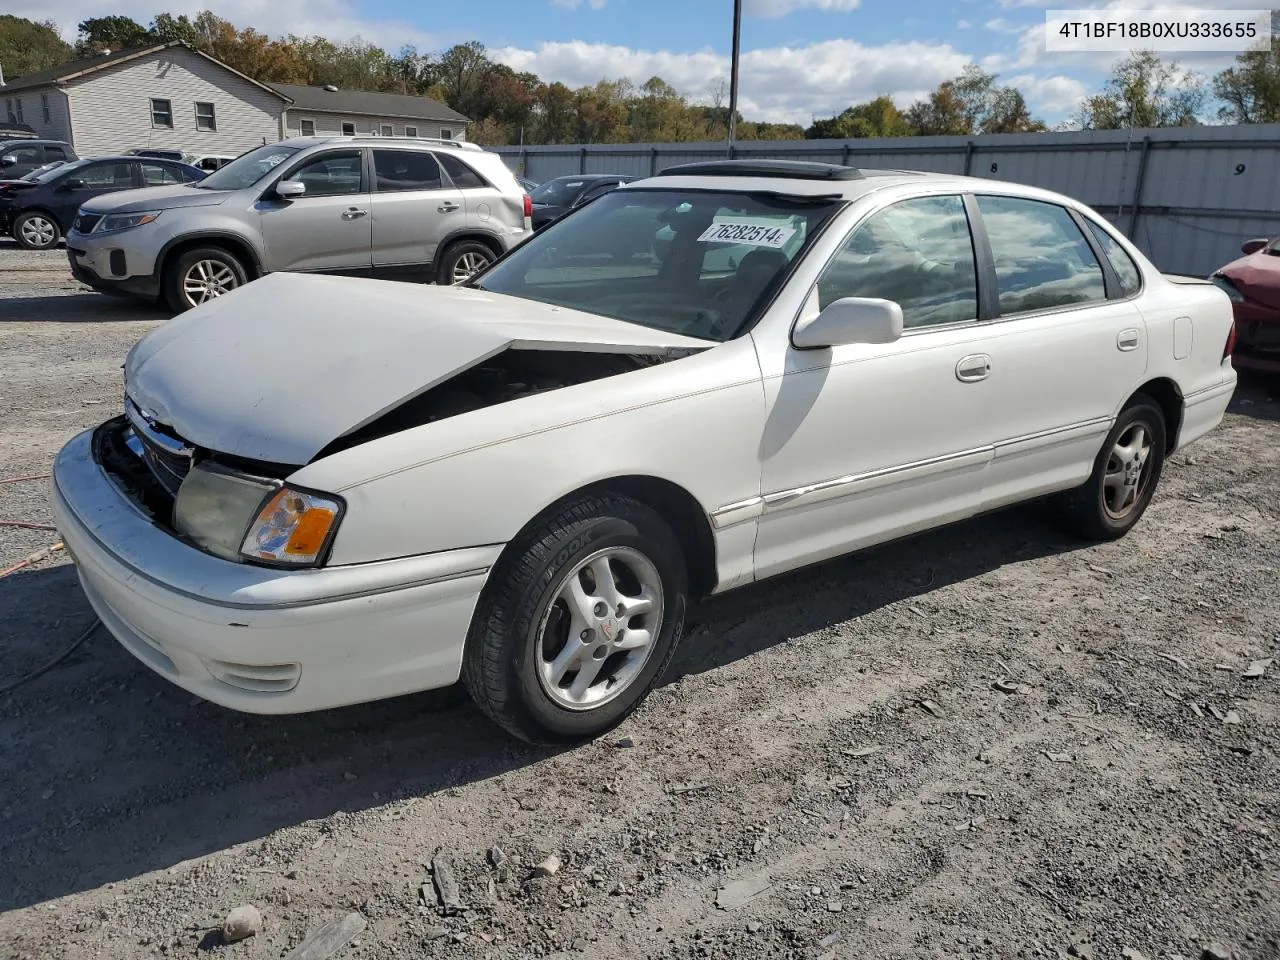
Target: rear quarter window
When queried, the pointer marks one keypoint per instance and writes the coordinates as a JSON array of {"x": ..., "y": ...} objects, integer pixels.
[{"x": 1127, "y": 271}]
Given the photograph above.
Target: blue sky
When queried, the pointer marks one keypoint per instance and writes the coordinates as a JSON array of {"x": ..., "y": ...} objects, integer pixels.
[{"x": 801, "y": 58}]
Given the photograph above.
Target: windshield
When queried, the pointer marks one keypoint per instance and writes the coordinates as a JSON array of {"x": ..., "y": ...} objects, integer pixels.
[
  {"x": 695, "y": 263},
  {"x": 38, "y": 174},
  {"x": 46, "y": 173},
  {"x": 559, "y": 192},
  {"x": 247, "y": 169}
]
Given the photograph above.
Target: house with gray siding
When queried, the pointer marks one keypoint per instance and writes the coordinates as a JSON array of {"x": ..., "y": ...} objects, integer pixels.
[
  {"x": 169, "y": 95},
  {"x": 317, "y": 111}
]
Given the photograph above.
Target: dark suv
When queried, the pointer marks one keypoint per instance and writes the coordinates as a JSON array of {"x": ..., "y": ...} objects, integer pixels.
[{"x": 20, "y": 157}]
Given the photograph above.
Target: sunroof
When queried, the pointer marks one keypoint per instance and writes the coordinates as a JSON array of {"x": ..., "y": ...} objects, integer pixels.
[{"x": 782, "y": 169}]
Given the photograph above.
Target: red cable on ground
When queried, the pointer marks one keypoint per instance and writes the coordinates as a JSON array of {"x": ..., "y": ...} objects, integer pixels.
[
  {"x": 34, "y": 476},
  {"x": 26, "y": 525}
]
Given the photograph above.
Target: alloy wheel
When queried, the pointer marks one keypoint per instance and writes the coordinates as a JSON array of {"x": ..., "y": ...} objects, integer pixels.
[
  {"x": 599, "y": 629},
  {"x": 468, "y": 265},
  {"x": 1128, "y": 472},
  {"x": 206, "y": 279}
]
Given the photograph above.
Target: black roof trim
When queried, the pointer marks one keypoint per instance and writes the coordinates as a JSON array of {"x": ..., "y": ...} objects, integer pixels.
[{"x": 784, "y": 169}]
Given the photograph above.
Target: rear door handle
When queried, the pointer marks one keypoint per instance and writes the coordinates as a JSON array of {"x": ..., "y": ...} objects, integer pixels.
[
  {"x": 973, "y": 368},
  {"x": 355, "y": 213},
  {"x": 448, "y": 207},
  {"x": 1127, "y": 339}
]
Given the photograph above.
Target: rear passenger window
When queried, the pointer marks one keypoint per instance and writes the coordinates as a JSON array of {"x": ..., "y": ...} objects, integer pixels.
[
  {"x": 54, "y": 153},
  {"x": 1042, "y": 259},
  {"x": 1126, "y": 270},
  {"x": 917, "y": 253},
  {"x": 406, "y": 170},
  {"x": 463, "y": 176}
]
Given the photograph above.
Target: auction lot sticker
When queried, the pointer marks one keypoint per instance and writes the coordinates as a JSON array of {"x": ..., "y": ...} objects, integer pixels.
[{"x": 744, "y": 231}]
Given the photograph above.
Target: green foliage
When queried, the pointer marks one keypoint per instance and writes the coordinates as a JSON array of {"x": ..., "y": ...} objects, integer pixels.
[
  {"x": 1145, "y": 91},
  {"x": 27, "y": 46},
  {"x": 1250, "y": 91}
]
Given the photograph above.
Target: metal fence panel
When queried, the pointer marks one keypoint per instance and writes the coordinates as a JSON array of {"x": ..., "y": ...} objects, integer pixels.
[{"x": 1187, "y": 196}]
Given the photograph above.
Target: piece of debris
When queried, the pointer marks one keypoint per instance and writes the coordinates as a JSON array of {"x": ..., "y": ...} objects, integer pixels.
[
  {"x": 1065, "y": 648},
  {"x": 831, "y": 939},
  {"x": 623, "y": 743},
  {"x": 977, "y": 794},
  {"x": 241, "y": 923},
  {"x": 446, "y": 884},
  {"x": 496, "y": 857},
  {"x": 1008, "y": 686},
  {"x": 1057, "y": 757},
  {"x": 737, "y": 892},
  {"x": 753, "y": 926},
  {"x": 1130, "y": 953},
  {"x": 548, "y": 867},
  {"x": 1195, "y": 708},
  {"x": 984, "y": 757},
  {"x": 1232, "y": 718},
  {"x": 1216, "y": 951},
  {"x": 1172, "y": 659},
  {"x": 326, "y": 940},
  {"x": 1224, "y": 667},
  {"x": 933, "y": 708},
  {"x": 1257, "y": 669},
  {"x": 1097, "y": 569},
  {"x": 862, "y": 751},
  {"x": 1084, "y": 951},
  {"x": 1241, "y": 749},
  {"x": 973, "y": 824},
  {"x": 1217, "y": 714},
  {"x": 679, "y": 789},
  {"x": 834, "y": 906}
]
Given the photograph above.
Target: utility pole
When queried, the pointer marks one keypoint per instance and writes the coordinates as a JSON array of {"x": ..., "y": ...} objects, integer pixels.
[{"x": 733, "y": 73}]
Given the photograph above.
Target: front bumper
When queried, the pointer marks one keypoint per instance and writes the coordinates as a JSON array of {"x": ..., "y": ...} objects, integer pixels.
[
  {"x": 95, "y": 270},
  {"x": 256, "y": 639},
  {"x": 1257, "y": 338}
]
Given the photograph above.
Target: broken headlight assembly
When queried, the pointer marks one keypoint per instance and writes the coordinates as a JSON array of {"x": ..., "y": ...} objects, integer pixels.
[{"x": 251, "y": 519}]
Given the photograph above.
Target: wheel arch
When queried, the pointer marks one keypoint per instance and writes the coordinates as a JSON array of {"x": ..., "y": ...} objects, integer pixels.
[
  {"x": 464, "y": 234},
  {"x": 1168, "y": 398},
  {"x": 677, "y": 506}
]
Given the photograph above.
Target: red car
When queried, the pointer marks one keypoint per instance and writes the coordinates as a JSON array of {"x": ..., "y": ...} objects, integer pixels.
[{"x": 1253, "y": 284}]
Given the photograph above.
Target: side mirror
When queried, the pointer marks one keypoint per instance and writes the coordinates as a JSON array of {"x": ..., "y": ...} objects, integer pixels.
[
  {"x": 1253, "y": 246},
  {"x": 288, "y": 189},
  {"x": 8, "y": 161},
  {"x": 850, "y": 320},
  {"x": 75, "y": 183}
]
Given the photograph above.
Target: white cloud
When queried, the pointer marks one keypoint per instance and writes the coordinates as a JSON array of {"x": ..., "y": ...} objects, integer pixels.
[
  {"x": 575, "y": 4},
  {"x": 1001, "y": 25},
  {"x": 963, "y": 25},
  {"x": 771, "y": 9},
  {"x": 779, "y": 84},
  {"x": 1054, "y": 94}
]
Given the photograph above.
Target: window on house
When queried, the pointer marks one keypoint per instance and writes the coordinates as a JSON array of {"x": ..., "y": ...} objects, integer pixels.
[
  {"x": 308, "y": 128},
  {"x": 205, "y": 119},
  {"x": 446, "y": 133},
  {"x": 20, "y": 117},
  {"x": 44, "y": 105},
  {"x": 161, "y": 113},
  {"x": 8, "y": 110},
  {"x": 410, "y": 131},
  {"x": 348, "y": 129},
  {"x": 388, "y": 130}
]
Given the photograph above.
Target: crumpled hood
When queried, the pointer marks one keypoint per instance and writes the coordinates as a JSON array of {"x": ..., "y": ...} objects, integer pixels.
[
  {"x": 1257, "y": 276},
  {"x": 278, "y": 369},
  {"x": 155, "y": 198}
]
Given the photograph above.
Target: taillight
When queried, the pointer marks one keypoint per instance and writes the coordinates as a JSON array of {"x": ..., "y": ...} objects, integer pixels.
[
  {"x": 1230, "y": 348},
  {"x": 528, "y": 205}
]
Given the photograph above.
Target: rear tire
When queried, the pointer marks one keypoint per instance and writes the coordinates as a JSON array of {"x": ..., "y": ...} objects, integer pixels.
[
  {"x": 36, "y": 231},
  {"x": 463, "y": 260},
  {"x": 1125, "y": 475},
  {"x": 200, "y": 275},
  {"x": 554, "y": 654}
]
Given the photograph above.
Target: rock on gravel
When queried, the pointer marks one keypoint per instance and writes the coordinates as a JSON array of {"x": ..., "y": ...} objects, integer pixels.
[{"x": 241, "y": 923}]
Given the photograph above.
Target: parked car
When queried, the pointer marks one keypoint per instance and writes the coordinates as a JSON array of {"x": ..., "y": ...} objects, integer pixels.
[
  {"x": 408, "y": 209},
  {"x": 208, "y": 161},
  {"x": 330, "y": 490},
  {"x": 39, "y": 211},
  {"x": 527, "y": 185},
  {"x": 20, "y": 157},
  {"x": 1253, "y": 284},
  {"x": 553, "y": 199},
  {"x": 164, "y": 153}
]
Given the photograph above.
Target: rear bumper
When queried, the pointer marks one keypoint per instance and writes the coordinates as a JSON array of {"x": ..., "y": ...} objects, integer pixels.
[{"x": 255, "y": 639}]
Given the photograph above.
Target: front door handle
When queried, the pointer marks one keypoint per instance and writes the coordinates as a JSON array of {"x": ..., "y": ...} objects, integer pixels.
[
  {"x": 1127, "y": 339},
  {"x": 973, "y": 368},
  {"x": 448, "y": 207},
  {"x": 355, "y": 213}
]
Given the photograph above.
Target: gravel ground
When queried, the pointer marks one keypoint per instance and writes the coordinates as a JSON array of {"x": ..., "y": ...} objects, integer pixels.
[{"x": 1094, "y": 777}]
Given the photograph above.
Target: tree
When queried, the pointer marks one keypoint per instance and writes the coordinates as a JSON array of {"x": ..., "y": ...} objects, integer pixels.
[
  {"x": 875, "y": 118},
  {"x": 1145, "y": 91},
  {"x": 944, "y": 113},
  {"x": 109, "y": 33},
  {"x": 972, "y": 103},
  {"x": 1250, "y": 90},
  {"x": 27, "y": 46}
]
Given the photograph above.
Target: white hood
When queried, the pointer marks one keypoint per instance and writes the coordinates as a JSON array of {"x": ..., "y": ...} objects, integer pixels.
[{"x": 278, "y": 369}]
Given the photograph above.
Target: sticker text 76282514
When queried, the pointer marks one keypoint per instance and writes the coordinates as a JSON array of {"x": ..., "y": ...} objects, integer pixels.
[{"x": 744, "y": 231}]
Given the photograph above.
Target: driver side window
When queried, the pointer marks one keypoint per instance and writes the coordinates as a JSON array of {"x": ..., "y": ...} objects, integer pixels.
[
  {"x": 332, "y": 174},
  {"x": 917, "y": 253}
]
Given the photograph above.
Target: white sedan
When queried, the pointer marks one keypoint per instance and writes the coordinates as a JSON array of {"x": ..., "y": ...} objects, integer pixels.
[{"x": 330, "y": 490}]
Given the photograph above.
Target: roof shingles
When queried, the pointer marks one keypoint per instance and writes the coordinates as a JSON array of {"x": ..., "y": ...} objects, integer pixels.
[{"x": 366, "y": 102}]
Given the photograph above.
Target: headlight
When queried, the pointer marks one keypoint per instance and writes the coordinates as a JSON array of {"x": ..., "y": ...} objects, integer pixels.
[
  {"x": 1225, "y": 285},
  {"x": 237, "y": 517},
  {"x": 123, "y": 221}
]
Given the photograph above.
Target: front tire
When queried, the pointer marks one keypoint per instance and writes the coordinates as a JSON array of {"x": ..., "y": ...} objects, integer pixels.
[
  {"x": 36, "y": 231},
  {"x": 462, "y": 261},
  {"x": 579, "y": 620},
  {"x": 200, "y": 275},
  {"x": 1125, "y": 474}
]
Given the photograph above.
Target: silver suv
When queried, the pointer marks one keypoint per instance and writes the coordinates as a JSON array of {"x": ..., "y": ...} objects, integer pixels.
[{"x": 411, "y": 209}]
